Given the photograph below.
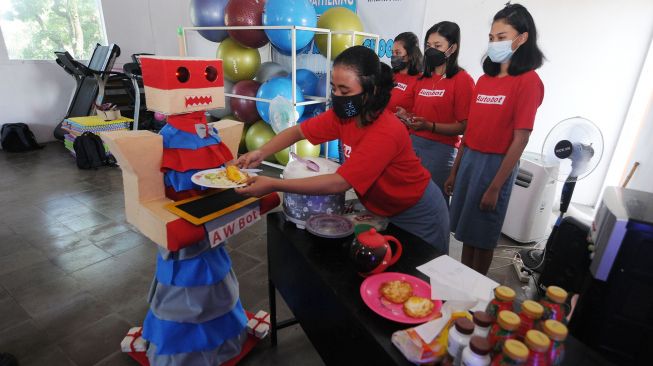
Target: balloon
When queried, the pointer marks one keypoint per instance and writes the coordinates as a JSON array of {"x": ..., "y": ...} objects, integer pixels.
[
  {"x": 239, "y": 63},
  {"x": 246, "y": 13},
  {"x": 159, "y": 116},
  {"x": 269, "y": 70},
  {"x": 245, "y": 110},
  {"x": 209, "y": 13},
  {"x": 289, "y": 12},
  {"x": 338, "y": 19},
  {"x": 258, "y": 135},
  {"x": 220, "y": 113},
  {"x": 303, "y": 148},
  {"x": 277, "y": 87}
]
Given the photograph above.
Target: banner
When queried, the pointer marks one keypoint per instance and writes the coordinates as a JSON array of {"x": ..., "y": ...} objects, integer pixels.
[{"x": 323, "y": 5}]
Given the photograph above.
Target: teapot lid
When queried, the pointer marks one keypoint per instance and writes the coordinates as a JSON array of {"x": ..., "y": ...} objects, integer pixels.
[{"x": 371, "y": 238}]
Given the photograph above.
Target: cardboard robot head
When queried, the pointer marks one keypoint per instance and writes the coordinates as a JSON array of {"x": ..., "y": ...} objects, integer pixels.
[{"x": 176, "y": 85}]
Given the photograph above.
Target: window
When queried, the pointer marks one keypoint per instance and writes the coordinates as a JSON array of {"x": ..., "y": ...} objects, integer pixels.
[{"x": 34, "y": 29}]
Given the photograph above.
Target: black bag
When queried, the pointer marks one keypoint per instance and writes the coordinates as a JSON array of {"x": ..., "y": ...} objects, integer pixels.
[
  {"x": 17, "y": 137},
  {"x": 90, "y": 153}
]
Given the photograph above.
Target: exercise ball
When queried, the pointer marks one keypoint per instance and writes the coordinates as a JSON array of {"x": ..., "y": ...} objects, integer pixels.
[
  {"x": 269, "y": 70},
  {"x": 333, "y": 149},
  {"x": 220, "y": 113},
  {"x": 230, "y": 117},
  {"x": 209, "y": 13},
  {"x": 258, "y": 135},
  {"x": 304, "y": 149},
  {"x": 243, "y": 109},
  {"x": 338, "y": 19},
  {"x": 313, "y": 110},
  {"x": 239, "y": 63},
  {"x": 246, "y": 13},
  {"x": 306, "y": 49},
  {"x": 289, "y": 12},
  {"x": 277, "y": 87},
  {"x": 242, "y": 147}
]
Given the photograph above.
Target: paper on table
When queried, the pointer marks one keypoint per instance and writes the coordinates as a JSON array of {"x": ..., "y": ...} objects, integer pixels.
[{"x": 429, "y": 330}]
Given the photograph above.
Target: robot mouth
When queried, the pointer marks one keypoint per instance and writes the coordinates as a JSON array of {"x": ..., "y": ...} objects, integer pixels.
[{"x": 198, "y": 100}]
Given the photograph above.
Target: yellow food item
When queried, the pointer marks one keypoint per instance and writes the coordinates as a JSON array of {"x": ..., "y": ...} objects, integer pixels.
[
  {"x": 396, "y": 291},
  {"x": 418, "y": 307},
  {"x": 235, "y": 175}
]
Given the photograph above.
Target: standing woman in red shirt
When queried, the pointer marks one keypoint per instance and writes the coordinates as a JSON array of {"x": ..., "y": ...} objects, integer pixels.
[
  {"x": 441, "y": 102},
  {"x": 380, "y": 163},
  {"x": 501, "y": 119},
  {"x": 406, "y": 64}
]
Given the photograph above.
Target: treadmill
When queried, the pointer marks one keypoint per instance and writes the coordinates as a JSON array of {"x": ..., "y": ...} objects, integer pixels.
[{"x": 90, "y": 81}]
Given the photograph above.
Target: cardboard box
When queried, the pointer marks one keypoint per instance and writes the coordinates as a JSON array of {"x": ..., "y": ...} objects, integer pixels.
[{"x": 230, "y": 133}]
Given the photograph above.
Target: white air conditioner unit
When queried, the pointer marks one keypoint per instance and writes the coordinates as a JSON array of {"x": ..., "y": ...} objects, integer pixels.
[{"x": 531, "y": 201}]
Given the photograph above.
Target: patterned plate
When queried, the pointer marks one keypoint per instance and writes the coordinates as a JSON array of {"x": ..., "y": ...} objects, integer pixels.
[{"x": 329, "y": 226}]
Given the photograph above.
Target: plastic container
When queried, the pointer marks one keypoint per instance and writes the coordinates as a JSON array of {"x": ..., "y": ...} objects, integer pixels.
[
  {"x": 477, "y": 353},
  {"x": 482, "y": 324},
  {"x": 530, "y": 315},
  {"x": 515, "y": 353},
  {"x": 504, "y": 329},
  {"x": 557, "y": 333},
  {"x": 538, "y": 345},
  {"x": 503, "y": 299},
  {"x": 553, "y": 303},
  {"x": 459, "y": 336}
]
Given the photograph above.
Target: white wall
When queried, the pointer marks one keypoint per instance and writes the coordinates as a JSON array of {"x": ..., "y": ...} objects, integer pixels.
[{"x": 594, "y": 50}]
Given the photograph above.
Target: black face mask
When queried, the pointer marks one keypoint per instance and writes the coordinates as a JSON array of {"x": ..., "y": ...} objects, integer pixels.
[
  {"x": 433, "y": 58},
  {"x": 398, "y": 63},
  {"x": 347, "y": 106}
]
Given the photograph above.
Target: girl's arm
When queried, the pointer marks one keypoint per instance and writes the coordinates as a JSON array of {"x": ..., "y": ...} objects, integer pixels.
[
  {"x": 447, "y": 129},
  {"x": 449, "y": 183},
  {"x": 322, "y": 184},
  {"x": 279, "y": 142},
  {"x": 517, "y": 146}
]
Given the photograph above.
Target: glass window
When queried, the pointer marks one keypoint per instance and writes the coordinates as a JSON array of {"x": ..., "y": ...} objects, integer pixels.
[{"x": 34, "y": 29}]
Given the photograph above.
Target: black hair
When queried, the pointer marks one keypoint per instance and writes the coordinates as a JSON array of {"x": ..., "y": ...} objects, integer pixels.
[
  {"x": 528, "y": 56},
  {"x": 451, "y": 32},
  {"x": 375, "y": 77},
  {"x": 411, "y": 44}
]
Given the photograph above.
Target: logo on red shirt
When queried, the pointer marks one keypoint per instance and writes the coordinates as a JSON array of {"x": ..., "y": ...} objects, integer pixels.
[
  {"x": 490, "y": 99},
  {"x": 401, "y": 86},
  {"x": 431, "y": 93},
  {"x": 346, "y": 149}
]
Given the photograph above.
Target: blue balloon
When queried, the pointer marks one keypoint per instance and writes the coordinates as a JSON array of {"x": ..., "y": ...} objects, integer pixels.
[
  {"x": 277, "y": 86},
  {"x": 289, "y": 12},
  {"x": 209, "y": 13}
]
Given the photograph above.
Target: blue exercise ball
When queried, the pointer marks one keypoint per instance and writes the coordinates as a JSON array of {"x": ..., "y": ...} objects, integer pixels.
[
  {"x": 289, "y": 12},
  {"x": 313, "y": 110},
  {"x": 209, "y": 13},
  {"x": 274, "y": 87},
  {"x": 304, "y": 50},
  {"x": 333, "y": 149}
]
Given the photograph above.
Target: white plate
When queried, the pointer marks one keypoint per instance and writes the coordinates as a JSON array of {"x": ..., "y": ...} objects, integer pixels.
[{"x": 200, "y": 179}]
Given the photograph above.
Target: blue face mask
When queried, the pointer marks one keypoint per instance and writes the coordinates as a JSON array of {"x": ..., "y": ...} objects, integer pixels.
[{"x": 500, "y": 52}]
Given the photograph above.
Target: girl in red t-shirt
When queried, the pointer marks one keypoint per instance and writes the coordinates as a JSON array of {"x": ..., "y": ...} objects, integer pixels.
[
  {"x": 406, "y": 64},
  {"x": 500, "y": 122},
  {"x": 441, "y": 97},
  {"x": 380, "y": 164}
]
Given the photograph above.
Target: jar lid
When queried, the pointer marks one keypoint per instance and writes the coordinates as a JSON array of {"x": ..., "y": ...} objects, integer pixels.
[
  {"x": 504, "y": 293},
  {"x": 515, "y": 350},
  {"x": 479, "y": 345},
  {"x": 537, "y": 341},
  {"x": 508, "y": 320},
  {"x": 464, "y": 326},
  {"x": 482, "y": 319},
  {"x": 555, "y": 330},
  {"x": 532, "y": 309},
  {"x": 556, "y": 294}
]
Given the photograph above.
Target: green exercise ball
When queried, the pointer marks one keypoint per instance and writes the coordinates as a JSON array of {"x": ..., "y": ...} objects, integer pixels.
[
  {"x": 242, "y": 147},
  {"x": 304, "y": 149},
  {"x": 258, "y": 135},
  {"x": 338, "y": 19},
  {"x": 231, "y": 117},
  {"x": 239, "y": 62}
]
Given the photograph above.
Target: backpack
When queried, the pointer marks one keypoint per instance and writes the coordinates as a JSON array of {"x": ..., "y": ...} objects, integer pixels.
[
  {"x": 17, "y": 137},
  {"x": 90, "y": 153}
]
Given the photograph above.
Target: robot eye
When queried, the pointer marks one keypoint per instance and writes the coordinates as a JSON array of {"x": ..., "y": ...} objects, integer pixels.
[
  {"x": 182, "y": 74},
  {"x": 211, "y": 73}
]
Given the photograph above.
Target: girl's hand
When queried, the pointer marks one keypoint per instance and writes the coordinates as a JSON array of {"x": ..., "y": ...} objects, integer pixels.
[
  {"x": 448, "y": 185},
  {"x": 489, "y": 200},
  {"x": 250, "y": 160},
  {"x": 420, "y": 124},
  {"x": 258, "y": 186}
]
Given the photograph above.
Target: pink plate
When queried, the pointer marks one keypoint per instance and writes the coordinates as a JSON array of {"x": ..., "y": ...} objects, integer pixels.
[{"x": 376, "y": 302}]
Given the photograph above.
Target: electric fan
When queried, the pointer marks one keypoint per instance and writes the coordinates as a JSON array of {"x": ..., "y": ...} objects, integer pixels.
[{"x": 577, "y": 144}]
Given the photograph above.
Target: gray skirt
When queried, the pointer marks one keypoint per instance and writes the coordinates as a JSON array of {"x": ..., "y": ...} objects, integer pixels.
[
  {"x": 436, "y": 157},
  {"x": 470, "y": 225}
]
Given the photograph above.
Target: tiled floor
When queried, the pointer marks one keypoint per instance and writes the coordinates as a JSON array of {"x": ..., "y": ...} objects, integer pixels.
[{"x": 74, "y": 275}]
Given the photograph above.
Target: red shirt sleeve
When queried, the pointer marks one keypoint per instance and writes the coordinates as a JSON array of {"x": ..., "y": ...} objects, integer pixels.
[
  {"x": 529, "y": 97},
  {"x": 321, "y": 128},
  {"x": 464, "y": 91}
]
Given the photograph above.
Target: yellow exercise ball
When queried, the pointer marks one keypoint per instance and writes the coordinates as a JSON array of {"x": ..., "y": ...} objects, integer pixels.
[
  {"x": 338, "y": 19},
  {"x": 239, "y": 62},
  {"x": 304, "y": 149}
]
